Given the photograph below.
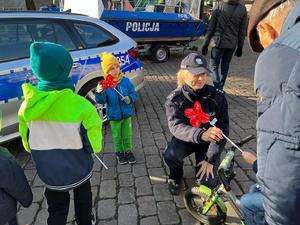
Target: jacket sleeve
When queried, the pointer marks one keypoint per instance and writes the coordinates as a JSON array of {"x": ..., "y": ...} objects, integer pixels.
[
  {"x": 100, "y": 97},
  {"x": 14, "y": 182},
  {"x": 23, "y": 130},
  {"x": 132, "y": 92},
  {"x": 93, "y": 125},
  {"x": 254, "y": 166},
  {"x": 211, "y": 26},
  {"x": 214, "y": 149},
  {"x": 178, "y": 126},
  {"x": 242, "y": 30}
]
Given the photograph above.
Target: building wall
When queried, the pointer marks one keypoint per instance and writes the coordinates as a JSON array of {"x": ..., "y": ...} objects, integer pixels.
[
  {"x": 12, "y": 5},
  {"x": 20, "y": 4},
  {"x": 39, "y": 3}
]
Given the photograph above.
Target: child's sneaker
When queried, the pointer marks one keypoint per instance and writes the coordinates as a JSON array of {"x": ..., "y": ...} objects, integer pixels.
[
  {"x": 93, "y": 219},
  {"x": 121, "y": 157},
  {"x": 130, "y": 157}
]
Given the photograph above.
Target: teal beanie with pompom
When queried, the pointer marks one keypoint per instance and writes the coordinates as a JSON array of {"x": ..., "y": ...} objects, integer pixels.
[{"x": 51, "y": 64}]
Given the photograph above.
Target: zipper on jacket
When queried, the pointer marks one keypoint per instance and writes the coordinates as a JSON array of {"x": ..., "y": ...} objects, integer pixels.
[{"x": 120, "y": 103}]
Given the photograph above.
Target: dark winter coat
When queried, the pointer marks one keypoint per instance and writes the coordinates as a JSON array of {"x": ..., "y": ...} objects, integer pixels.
[
  {"x": 213, "y": 102},
  {"x": 230, "y": 19},
  {"x": 13, "y": 187},
  {"x": 277, "y": 84}
]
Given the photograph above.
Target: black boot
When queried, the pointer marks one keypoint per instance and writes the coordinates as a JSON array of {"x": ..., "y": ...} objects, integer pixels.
[
  {"x": 173, "y": 187},
  {"x": 121, "y": 157}
]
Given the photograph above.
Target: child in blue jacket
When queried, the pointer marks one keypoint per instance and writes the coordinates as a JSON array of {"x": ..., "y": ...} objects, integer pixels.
[
  {"x": 119, "y": 109},
  {"x": 13, "y": 187}
]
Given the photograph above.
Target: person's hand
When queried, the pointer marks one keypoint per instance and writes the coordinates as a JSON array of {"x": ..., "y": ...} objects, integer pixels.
[
  {"x": 99, "y": 88},
  {"x": 238, "y": 52},
  {"x": 213, "y": 134},
  {"x": 204, "y": 50},
  {"x": 206, "y": 169},
  {"x": 249, "y": 157},
  {"x": 126, "y": 99}
]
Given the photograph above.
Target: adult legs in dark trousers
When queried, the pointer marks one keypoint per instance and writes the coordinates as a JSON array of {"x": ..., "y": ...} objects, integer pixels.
[
  {"x": 13, "y": 221},
  {"x": 58, "y": 205},
  {"x": 223, "y": 56},
  {"x": 174, "y": 155}
]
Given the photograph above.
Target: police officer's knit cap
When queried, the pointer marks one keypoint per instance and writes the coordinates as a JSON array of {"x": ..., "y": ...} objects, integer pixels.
[
  {"x": 51, "y": 64},
  {"x": 195, "y": 63},
  {"x": 107, "y": 61},
  {"x": 258, "y": 11}
]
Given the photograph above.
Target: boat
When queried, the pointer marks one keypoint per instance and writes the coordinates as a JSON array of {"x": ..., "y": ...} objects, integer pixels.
[
  {"x": 149, "y": 27},
  {"x": 157, "y": 28},
  {"x": 160, "y": 27}
]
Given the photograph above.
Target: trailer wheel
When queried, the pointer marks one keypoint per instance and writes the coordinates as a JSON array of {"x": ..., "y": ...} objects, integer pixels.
[{"x": 160, "y": 53}]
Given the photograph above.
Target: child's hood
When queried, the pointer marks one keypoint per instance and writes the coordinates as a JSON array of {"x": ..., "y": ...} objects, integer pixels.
[{"x": 37, "y": 102}]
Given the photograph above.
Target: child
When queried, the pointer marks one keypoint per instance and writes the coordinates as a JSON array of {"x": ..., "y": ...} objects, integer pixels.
[
  {"x": 119, "y": 110},
  {"x": 252, "y": 202},
  {"x": 13, "y": 187},
  {"x": 61, "y": 130}
]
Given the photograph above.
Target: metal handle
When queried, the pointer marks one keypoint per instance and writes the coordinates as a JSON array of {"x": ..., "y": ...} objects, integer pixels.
[
  {"x": 76, "y": 65},
  {"x": 245, "y": 140}
]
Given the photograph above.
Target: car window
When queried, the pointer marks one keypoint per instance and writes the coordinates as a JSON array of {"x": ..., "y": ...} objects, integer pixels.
[
  {"x": 52, "y": 33},
  {"x": 42, "y": 32},
  {"x": 15, "y": 38},
  {"x": 63, "y": 38},
  {"x": 94, "y": 36}
]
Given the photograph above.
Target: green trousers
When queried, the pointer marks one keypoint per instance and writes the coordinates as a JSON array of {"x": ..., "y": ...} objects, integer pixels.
[{"x": 122, "y": 134}]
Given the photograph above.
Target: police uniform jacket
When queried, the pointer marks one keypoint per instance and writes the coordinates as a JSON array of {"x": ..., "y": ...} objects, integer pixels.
[{"x": 213, "y": 103}]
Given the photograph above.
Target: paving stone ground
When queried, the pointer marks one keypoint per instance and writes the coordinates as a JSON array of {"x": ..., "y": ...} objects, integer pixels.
[{"x": 137, "y": 194}]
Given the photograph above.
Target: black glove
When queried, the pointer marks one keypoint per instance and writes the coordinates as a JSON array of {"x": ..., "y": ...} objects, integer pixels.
[
  {"x": 204, "y": 49},
  {"x": 238, "y": 52}
]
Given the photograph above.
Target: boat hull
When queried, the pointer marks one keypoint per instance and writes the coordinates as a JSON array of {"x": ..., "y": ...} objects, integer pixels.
[{"x": 147, "y": 27}]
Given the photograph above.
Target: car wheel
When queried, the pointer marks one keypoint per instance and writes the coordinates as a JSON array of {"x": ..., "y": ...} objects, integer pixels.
[
  {"x": 160, "y": 53},
  {"x": 88, "y": 91}
]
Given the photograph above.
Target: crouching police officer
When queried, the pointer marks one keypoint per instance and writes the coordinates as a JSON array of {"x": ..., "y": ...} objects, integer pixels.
[{"x": 206, "y": 141}]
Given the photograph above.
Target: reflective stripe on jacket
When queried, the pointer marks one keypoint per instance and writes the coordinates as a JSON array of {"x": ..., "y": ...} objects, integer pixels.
[{"x": 61, "y": 129}]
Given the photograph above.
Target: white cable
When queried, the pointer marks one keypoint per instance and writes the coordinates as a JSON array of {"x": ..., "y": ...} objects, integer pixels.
[{"x": 101, "y": 161}]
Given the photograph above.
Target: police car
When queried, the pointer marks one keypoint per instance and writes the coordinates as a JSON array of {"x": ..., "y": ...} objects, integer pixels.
[{"x": 85, "y": 38}]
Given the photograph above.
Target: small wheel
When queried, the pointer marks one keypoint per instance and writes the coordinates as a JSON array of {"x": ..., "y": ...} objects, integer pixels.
[
  {"x": 194, "y": 199},
  {"x": 160, "y": 53},
  {"x": 88, "y": 91}
]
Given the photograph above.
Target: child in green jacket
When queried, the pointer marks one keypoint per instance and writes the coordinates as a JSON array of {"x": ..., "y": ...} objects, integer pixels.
[{"x": 61, "y": 130}]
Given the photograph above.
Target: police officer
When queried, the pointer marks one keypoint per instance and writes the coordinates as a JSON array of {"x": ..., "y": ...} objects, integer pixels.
[{"x": 206, "y": 141}]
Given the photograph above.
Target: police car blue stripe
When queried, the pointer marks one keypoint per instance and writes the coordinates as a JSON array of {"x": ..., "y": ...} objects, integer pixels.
[{"x": 11, "y": 80}]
